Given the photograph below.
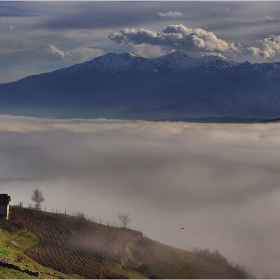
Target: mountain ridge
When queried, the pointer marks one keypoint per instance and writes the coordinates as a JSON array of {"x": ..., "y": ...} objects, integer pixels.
[
  {"x": 114, "y": 63},
  {"x": 128, "y": 86}
]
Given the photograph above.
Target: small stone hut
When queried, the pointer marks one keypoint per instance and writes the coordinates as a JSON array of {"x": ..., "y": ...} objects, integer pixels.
[{"x": 4, "y": 206}]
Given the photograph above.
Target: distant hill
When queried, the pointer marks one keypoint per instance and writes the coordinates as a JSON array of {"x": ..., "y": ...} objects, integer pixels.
[
  {"x": 127, "y": 86},
  {"x": 81, "y": 248}
]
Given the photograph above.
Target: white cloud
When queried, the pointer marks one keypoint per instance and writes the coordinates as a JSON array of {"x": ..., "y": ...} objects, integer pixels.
[
  {"x": 200, "y": 39},
  {"x": 177, "y": 37},
  {"x": 268, "y": 17},
  {"x": 170, "y": 14},
  {"x": 269, "y": 48},
  {"x": 254, "y": 51},
  {"x": 180, "y": 37},
  {"x": 55, "y": 50},
  {"x": 145, "y": 50}
]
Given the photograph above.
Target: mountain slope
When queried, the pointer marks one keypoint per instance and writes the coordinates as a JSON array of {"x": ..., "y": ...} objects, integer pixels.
[
  {"x": 243, "y": 107},
  {"x": 115, "y": 85},
  {"x": 76, "y": 246}
]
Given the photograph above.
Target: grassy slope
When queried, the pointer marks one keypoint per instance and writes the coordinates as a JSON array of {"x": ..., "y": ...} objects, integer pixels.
[
  {"x": 140, "y": 257},
  {"x": 15, "y": 255},
  {"x": 151, "y": 259}
]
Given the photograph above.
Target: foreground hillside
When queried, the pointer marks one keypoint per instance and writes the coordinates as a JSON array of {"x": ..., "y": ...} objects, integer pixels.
[{"x": 81, "y": 248}]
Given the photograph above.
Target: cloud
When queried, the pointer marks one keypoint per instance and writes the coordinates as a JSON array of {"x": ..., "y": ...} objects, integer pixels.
[
  {"x": 177, "y": 37},
  {"x": 180, "y": 37},
  {"x": 219, "y": 181},
  {"x": 170, "y": 14},
  {"x": 145, "y": 50},
  {"x": 268, "y": 17},
  {"x": 55, "y": 50},
  {"x": 269, "y": 49}
]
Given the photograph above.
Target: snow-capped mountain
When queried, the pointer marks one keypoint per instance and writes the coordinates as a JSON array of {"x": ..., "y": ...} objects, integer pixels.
[
  {"x": 174, "y": 86},
  {"x": 176, "y": 62}
]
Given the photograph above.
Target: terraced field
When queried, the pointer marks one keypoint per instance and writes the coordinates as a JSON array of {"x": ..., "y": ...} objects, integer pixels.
[
  {"x": 72, "y": 245},
  {"x": 75, "y": 246}
]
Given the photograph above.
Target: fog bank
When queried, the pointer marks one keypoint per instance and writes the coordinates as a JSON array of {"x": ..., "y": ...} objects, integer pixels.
[{"x": 218, "y": 181}]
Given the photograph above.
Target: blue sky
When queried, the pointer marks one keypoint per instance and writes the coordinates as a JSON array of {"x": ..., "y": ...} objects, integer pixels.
[{"x": 39, "y": 37}]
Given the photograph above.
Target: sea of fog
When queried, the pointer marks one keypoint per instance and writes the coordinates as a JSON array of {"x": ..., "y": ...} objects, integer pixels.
[{"x": 220, "y": 182}]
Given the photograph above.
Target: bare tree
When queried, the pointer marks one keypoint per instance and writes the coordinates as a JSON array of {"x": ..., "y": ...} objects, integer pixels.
[
  {"x": 124, "y": 219},
  {"x": 38, "y": 198}
]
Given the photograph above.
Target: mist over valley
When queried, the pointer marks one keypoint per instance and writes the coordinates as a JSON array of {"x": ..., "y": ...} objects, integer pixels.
[{"x": 218, "y": 181}]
